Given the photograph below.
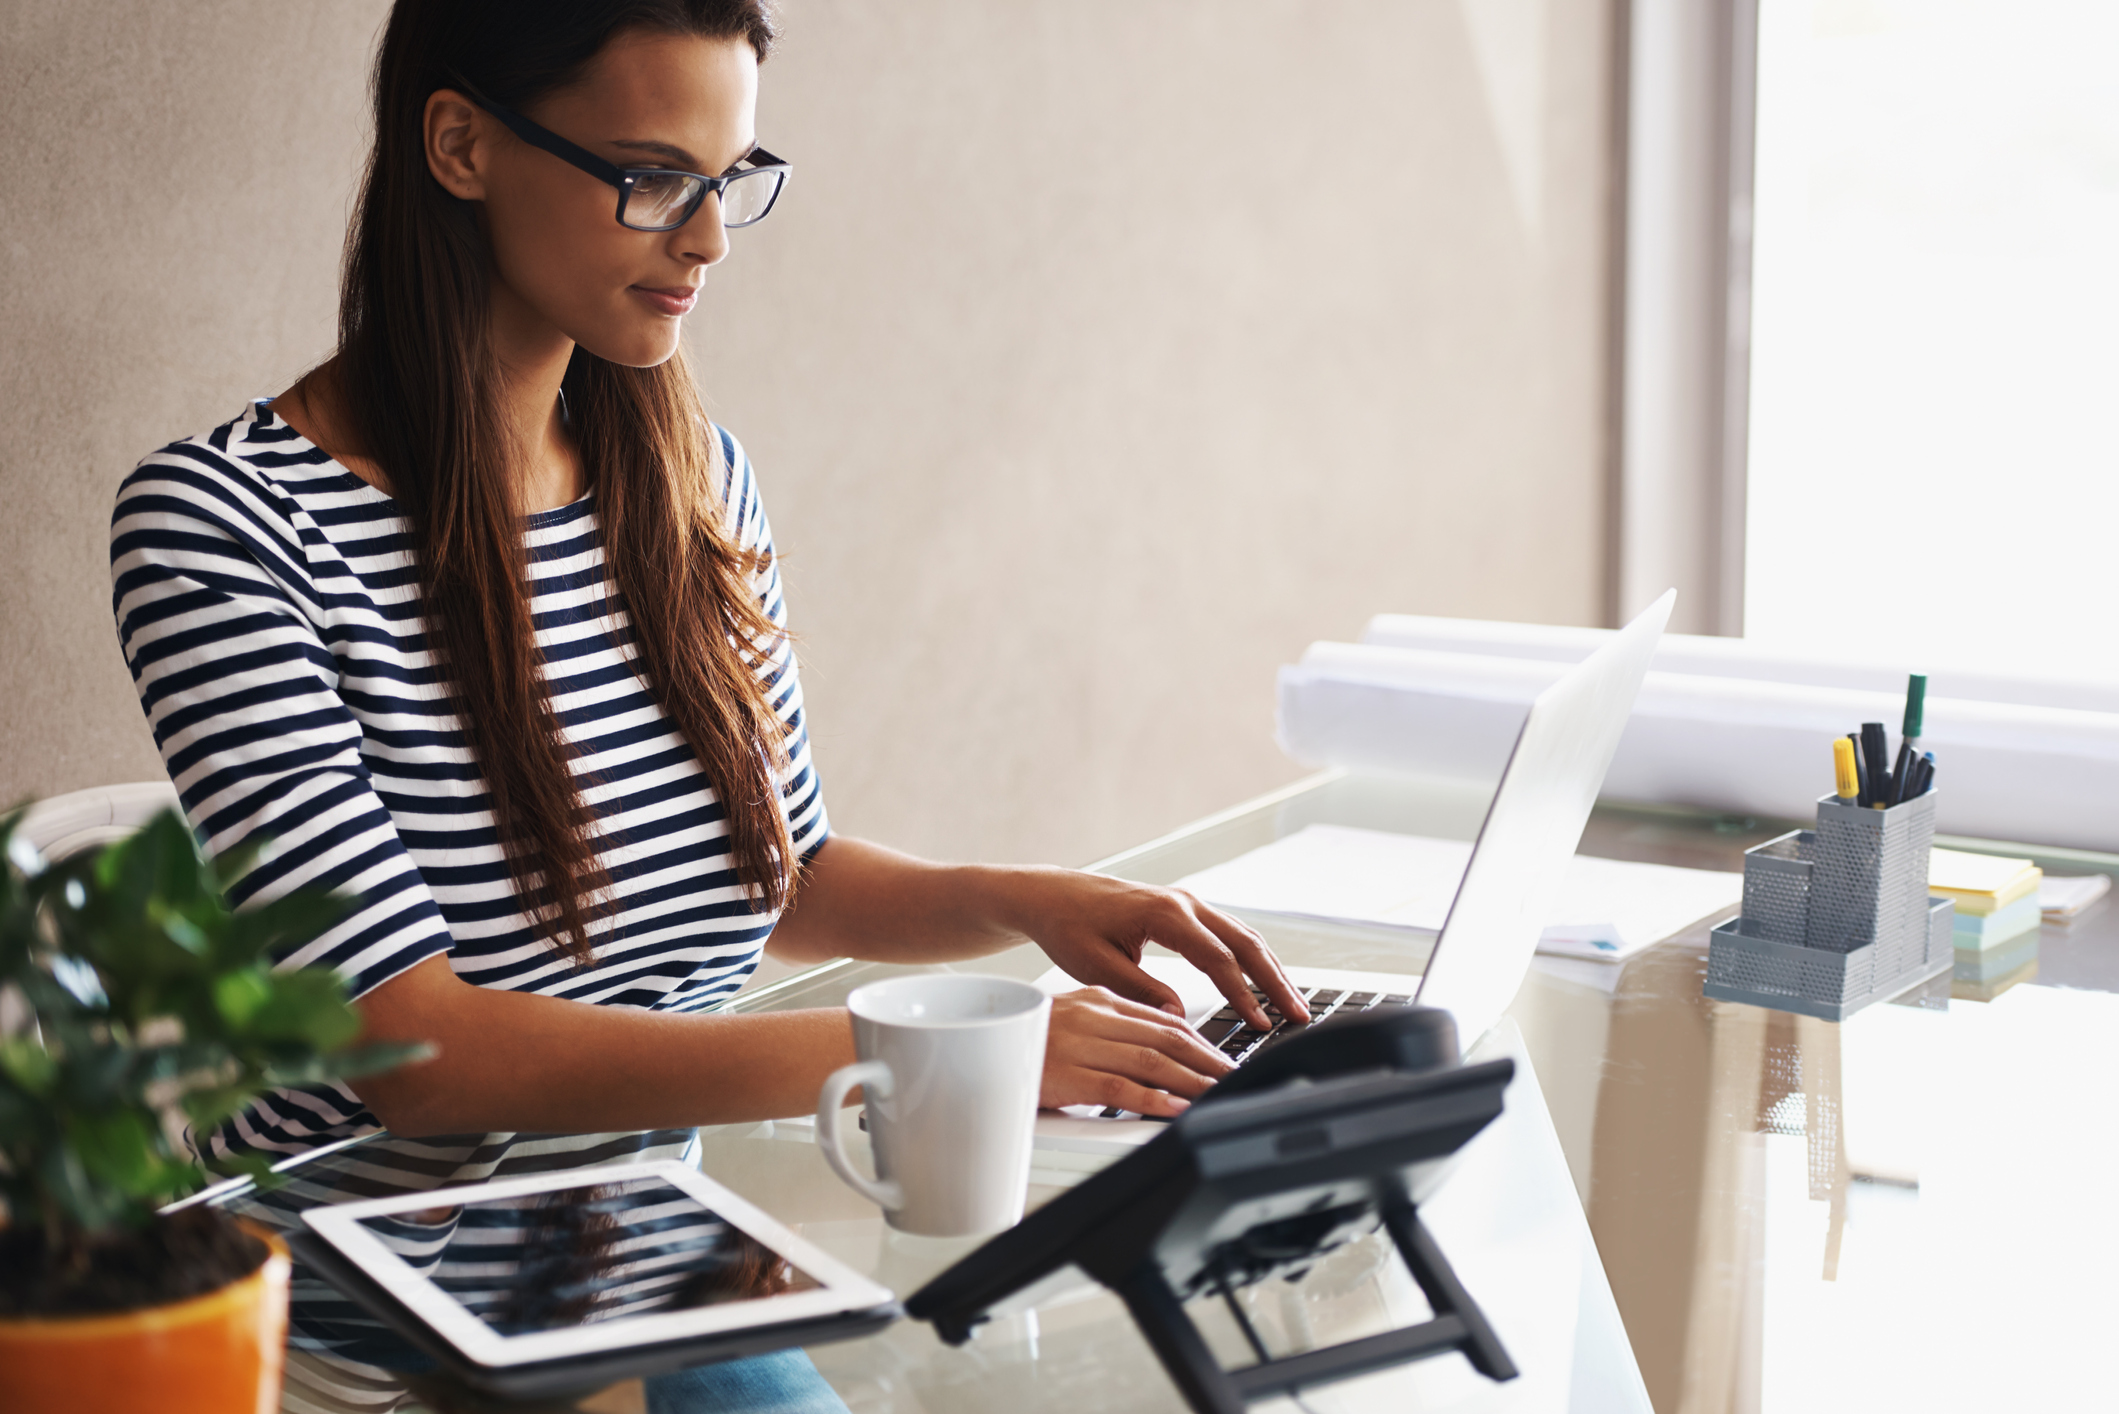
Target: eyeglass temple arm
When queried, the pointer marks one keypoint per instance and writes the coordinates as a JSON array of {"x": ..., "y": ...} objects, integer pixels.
[
  {"x": 588, "y": 161},
  {"x": 552, "y": 142}
]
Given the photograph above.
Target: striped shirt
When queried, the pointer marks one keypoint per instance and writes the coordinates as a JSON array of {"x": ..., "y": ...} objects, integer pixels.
[{"x": 267, "y": 604}]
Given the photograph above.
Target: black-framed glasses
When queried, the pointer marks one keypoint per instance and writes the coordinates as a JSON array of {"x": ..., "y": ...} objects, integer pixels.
[{"x": 662, "y": 198}]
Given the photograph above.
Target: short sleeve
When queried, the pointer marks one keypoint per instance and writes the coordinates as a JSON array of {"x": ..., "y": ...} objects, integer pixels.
[
  {"x": 801, "y": 795},
  {"x": 219, "y": 617}
]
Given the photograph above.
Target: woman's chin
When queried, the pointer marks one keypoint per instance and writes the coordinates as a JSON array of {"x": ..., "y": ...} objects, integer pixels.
[{"x": 638, "y": 348}]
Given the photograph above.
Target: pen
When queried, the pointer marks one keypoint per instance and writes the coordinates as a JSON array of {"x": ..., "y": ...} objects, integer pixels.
[
  {"x": 1927, "y": 772},
  {"x": 1846, "y": 775},
  {"x": 1861, "y": 770}
]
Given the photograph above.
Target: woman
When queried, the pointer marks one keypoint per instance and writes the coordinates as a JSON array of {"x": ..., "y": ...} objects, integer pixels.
[{"x": 480, "y": 623}]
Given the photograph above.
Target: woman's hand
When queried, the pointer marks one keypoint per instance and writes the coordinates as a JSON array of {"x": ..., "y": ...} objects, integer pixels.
[
  {"x": 1096, "y": 928},
  {"x": 1105, "y": 1050},
  {"x": 1125, "y": 1044}
]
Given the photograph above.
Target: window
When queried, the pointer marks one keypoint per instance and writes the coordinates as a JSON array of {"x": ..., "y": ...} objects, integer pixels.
[{"x": 1934, "y": 416}]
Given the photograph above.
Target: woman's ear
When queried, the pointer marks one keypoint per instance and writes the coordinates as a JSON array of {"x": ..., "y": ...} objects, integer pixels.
[{"x": 457, "y": 134}]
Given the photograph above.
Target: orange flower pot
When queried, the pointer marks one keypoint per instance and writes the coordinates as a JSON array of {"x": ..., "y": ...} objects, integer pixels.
[{"x": 214, "y": 1354}]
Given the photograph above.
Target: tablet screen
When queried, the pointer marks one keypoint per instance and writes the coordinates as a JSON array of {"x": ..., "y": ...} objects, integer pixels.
[{"x": 580, "y": 1255}]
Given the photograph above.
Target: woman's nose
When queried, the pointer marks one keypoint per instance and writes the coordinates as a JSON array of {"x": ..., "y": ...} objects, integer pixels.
[{"x": 703, "y": 238}]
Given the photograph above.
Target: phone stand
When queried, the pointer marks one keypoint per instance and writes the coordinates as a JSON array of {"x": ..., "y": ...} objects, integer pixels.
[{"x": 1258, "y": 1183}]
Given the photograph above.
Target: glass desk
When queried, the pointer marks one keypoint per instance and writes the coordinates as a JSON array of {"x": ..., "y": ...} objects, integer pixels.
[{"x": 1911, "y": 1209}]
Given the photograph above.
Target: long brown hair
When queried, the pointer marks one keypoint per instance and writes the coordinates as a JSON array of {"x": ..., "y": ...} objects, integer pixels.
[{"x": 420, "y": 388}]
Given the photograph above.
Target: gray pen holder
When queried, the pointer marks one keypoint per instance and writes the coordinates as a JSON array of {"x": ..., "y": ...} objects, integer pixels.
[{"x": 1836, "y": 917}]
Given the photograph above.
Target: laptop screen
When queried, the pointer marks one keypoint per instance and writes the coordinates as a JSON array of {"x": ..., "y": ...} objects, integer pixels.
[{"x": 1533, "y": 825}]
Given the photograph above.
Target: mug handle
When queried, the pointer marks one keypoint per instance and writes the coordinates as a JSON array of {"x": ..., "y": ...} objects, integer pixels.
[{"x": 831, "y": 1105}]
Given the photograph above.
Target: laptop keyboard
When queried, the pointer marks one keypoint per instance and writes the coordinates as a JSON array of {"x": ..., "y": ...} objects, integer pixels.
[{"x": 1228, "y": 1033}]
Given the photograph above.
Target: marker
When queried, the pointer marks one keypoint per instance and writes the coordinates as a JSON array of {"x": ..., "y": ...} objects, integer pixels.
[
  {"x": 1861, "y": 769},
  {"x": 1927, "y": 772},
  {"x": 1902, "y": 774},
  {"x": 1916, "y": 705},
  {"x": 1876, "y": 755},
  {"x": 1845, "y": 772}
]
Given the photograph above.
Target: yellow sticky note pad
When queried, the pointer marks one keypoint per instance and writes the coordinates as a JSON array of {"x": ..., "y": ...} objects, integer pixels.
[{"x": 1980, "y": 883}]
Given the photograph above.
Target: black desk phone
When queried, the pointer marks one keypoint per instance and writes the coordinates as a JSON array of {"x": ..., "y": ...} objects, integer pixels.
[{"x": 1317, "y": 1141}]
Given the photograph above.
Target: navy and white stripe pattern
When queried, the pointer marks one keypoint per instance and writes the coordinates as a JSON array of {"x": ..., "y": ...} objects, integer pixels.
[{"x": 267, "y": 604}]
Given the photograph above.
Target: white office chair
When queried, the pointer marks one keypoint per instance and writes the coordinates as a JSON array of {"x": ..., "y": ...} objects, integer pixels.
[{"x": 66, "y": 825}]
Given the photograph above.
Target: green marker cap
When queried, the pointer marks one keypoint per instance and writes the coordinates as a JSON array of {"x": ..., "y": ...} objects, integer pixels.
[{"x": 1916, "y": 703}]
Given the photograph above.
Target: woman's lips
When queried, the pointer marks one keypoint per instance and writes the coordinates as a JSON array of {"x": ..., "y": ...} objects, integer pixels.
[{"x": 674, "y": 301}]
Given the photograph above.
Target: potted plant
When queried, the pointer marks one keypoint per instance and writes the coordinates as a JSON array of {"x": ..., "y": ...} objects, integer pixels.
[{"x": 134, "y": 1003}]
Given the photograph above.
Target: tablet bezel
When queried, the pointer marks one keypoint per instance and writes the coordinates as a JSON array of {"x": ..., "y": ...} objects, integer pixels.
[{"x": 842, "y": 1290}]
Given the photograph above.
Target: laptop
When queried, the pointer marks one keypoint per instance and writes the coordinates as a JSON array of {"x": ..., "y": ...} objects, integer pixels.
[{"x": 1481, "y": 956}]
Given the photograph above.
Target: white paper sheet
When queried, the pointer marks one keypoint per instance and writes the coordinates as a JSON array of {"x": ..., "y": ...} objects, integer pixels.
[
  {"x": 1608, "y": 909},
  {"x": 2060, "y": 899}
]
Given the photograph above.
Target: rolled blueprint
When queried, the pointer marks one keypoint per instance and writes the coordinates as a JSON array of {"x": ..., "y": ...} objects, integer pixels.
[
  {"x": 2005, "y": 770},
  {"x": 1739, "y": 658}
]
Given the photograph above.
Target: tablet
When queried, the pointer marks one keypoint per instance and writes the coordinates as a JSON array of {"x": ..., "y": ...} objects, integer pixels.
[{"x": 539, "y": 1282}]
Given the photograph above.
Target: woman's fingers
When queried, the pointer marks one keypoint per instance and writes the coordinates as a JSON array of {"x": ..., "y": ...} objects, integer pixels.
[
  {"x": 1256, "y": 959},
  {"x": 1106, "y": 1050},
  {"x": 1090, "y": 1087},
  {"x": 1127, "y": 1022},
  {"x": 1116, "y": 971},
  {"x": 1232, "y": 962},
  {"x": 1184, "y": 935}
]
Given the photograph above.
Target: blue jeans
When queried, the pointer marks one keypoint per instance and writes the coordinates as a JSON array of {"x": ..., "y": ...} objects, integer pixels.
[{"x": 783, "y": 1382}]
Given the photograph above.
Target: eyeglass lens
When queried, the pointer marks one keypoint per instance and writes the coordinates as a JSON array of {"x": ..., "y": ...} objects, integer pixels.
[
  {"x": 662, "y": 200},
  {"x": 749, "y": 196}
]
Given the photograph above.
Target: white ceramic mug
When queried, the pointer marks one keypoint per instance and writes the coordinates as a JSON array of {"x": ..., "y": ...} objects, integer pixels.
[{"x": 950, "y": 1066}]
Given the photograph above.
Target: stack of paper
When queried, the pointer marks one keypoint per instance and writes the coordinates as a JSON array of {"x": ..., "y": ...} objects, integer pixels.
[
  {"x": 2062, "y": 899},
  {"x": 1997, "y": 910},
  {"x": 1607, "y": 908}
]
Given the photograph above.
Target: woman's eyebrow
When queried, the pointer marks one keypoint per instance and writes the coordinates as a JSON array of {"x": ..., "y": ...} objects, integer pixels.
[
  {"x": 673, "y": 154},
  {"x": 669, "y": 151}
]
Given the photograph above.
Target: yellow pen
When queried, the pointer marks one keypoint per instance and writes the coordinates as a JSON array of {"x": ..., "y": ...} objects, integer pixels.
[{"x": 1849, "y": 781}]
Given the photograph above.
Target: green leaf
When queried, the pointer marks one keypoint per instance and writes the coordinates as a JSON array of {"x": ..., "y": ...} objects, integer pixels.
[
  {"x": 28, "y": 1064},
  {"x": 28, "y": 1124},
  {"x": 187, "y": 934},
  {"x": 67, "y": 1183},
  {"x": 117, "y": 1148},
  {"x": 239, "y": 995},
  {"x": 308, "y": 1006},
  {"x": 96, "y": 1076}
]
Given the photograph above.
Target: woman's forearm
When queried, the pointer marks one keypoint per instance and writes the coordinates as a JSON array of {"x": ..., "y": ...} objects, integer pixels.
[
  {"x": 517, "y": 1061},
  {"x": 859, "y": 899},
  {"x": 862, "y": 900}
]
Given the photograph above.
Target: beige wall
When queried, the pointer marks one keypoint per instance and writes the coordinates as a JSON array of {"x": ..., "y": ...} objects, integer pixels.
[
  {"x": 173, "y": 187},
  {"x": 1098, "y": 359}
]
